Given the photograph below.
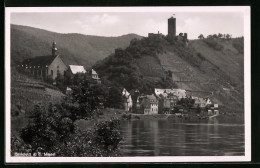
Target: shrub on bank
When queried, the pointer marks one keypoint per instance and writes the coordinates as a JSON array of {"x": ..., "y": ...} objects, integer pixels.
[{"x": 51, "y": 130}]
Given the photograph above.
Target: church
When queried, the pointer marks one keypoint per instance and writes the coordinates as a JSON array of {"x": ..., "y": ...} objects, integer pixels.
[{"x": 44, "y": 66}]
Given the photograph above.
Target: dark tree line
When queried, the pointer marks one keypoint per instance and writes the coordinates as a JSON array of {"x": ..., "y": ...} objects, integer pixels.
[{"x": 216, "y": 36}]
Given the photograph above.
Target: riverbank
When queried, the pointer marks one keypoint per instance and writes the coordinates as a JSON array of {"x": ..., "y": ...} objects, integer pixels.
[
  {"x": 108, "y": 113},
  {"x": 122, "y": 115}
]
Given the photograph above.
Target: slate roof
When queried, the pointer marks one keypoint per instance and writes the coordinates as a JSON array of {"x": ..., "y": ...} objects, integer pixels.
[
  {"x": 77, "y": 69},
  {"x": 39, "y": 61}
]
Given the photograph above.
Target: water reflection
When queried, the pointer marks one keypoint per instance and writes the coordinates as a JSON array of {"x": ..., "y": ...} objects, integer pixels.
[{"x": 181, "y": 138}]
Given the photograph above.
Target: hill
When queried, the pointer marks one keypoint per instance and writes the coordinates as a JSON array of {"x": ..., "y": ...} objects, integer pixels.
[
  {"x": 27, "y": 42},
  {"x": 205, "y": 68}
]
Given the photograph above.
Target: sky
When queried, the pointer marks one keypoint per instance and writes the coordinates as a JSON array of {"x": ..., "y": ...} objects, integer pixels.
[{"x": 141, "y": 23}]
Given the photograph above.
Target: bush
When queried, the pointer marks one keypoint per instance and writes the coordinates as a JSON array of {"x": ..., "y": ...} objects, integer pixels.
[
  {"x": 47, "y": 127},
  {"x": 238, "y": 44},
  {"x": 213, "y": 44},
  {"x": 136, "y": 117},
  {"x": 103, "y": 140},
  {"x": 53, "y": 131}
]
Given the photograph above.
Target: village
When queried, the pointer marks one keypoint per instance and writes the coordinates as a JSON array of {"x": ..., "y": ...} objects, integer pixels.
[{"x": 162, "y": 101}]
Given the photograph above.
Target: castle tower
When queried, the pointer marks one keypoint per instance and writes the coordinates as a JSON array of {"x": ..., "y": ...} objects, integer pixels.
[
  {"x": 54, "y": 49},
  {"x": 172, "y": 27}
]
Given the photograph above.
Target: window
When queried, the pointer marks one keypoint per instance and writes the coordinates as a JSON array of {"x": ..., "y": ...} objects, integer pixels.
[{"x": 51, "y": 72}]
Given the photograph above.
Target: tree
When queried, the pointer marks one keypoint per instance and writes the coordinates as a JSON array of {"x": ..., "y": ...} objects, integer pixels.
[
  {"x": 47, "y": 127},
  {"x": 220, "y": 35},
  {"x": 209, "y": 36},
  {"x": 60, "y": 82},
  {"x": 49, "y": 79},
  {"x": 215, "y": 36},
  {"x": 102, "y": 140},
  {"x": 68, "y": 78},
  {"x": 201, "y": 36},
  {"x": 85, "y": 99},
  {"x": 228, "y": 36},
  {"x": 53, "y": 131},
  {"x": 186, "y": 102},
  {"x": 114, "y": 98}
]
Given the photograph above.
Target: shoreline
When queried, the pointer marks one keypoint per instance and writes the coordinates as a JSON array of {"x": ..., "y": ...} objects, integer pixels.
[{"x": 122, "y": 115}]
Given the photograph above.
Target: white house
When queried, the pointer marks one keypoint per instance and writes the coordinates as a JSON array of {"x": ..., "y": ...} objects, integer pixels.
[
  {"x": 128, "y": 103},
  {"x": 94, "y": 75},
  {"x": 180, "y": 93},
  {"x": 151, "y": 105}
]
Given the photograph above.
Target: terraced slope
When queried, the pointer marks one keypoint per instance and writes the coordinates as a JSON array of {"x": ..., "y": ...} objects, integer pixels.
[{"x": 207, "y": 71}]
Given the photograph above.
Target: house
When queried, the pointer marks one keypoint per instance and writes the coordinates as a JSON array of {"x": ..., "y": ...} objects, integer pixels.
[
  {"x": 208, "y": 101},
  {"x": 44, "y": 66},
  {"x": 139, "y": 103},
  {"x": 74, "y": 69},
  {"x": 202, "y": 102},
  {"x": 150, "y": 104},
  {"x": 128, "y": 103},
  {"x": 94, "y": 75},
  {"x": 180, "y": 93},
  {"x": 167, "y": 101},
  {"x": 199, "y": 102},
  {"x": 210, "y": 112},
  {"x": 68, "y": 90},
  {"x": 215, "y": 105},
  {"x": 216, "y": 112}
]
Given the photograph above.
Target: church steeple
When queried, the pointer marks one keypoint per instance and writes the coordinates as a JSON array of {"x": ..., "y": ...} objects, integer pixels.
[{"x": 54, "y": 49}]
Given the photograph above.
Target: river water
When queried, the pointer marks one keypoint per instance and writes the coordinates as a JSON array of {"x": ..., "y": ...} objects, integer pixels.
[{"x": 182, "y": 138}]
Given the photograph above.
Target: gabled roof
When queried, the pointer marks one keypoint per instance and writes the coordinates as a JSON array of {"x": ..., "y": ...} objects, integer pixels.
[
  {"x": 146, "y": 103},
  {"x": 200, "y": 101},
  {"x": 77, "y": 69},
  {"x": 125, "y": 93},
  {"x": 151, "y": 97},
  {"x": 39, "y": 61},
  {"x": 94, "y": 72}
]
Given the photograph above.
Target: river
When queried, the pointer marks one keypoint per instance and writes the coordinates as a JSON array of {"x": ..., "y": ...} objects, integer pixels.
[{"x": 182, "y": 138}]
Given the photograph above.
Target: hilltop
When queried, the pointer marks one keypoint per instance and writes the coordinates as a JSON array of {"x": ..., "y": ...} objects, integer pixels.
[
  {"x": 74, "y": 48},
  {"x": 205, "y": 68}
]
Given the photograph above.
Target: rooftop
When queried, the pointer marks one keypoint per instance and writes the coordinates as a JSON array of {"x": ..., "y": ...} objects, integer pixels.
[
  {"x": 39, "y": 61},
  {"x": 77, "y": 69}
]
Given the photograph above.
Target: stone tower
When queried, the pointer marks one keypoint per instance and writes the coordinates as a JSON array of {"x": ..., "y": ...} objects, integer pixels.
[
  {"x": 54, "y": 49},
  {"x": 172, "y": 27}
]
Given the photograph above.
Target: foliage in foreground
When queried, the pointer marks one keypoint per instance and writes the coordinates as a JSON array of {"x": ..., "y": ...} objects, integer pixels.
[
  {"x": 103, "y": 140},
  {"x": 52, "y": 131}
]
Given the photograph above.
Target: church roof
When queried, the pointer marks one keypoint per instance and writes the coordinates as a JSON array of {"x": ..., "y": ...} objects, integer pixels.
[
  {"x": 77, "y": 69},
  {"x": 39, "y": 61}
]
